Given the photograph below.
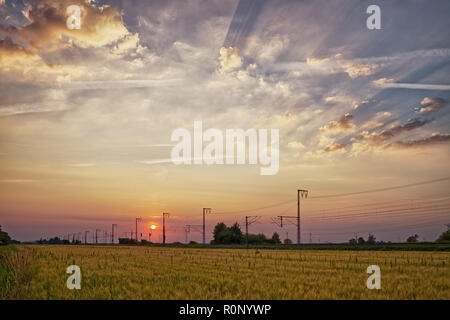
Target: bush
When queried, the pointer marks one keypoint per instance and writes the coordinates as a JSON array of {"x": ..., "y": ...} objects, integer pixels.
[
  {"x": 371, "y": 239},
  {"x": 4, "y": 237},
  {"x": 127, "y": 241},
  {"x": 444, "y": 237},
  {"x": 275, "y": 238},
  {"x": 413, "y": 239}
]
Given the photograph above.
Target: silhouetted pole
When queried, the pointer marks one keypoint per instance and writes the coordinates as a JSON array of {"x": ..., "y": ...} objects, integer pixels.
[
  {"x": 300, "y": 193},
  {"x": 246, "y": 229},
  {"x": 137, "y": 220},
  {"x": 85, "y": 236},
  {"x": 164, "y": 226},
  {"x": 247, "y": 223},
  {"x": 187, "y": 229},
  {"x": 112, "y": 232},
  {"x": 205, "y": 211}
]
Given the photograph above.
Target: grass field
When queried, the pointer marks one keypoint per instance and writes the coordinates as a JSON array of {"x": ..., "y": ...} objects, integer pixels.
[{"x": 127, "y": 272}]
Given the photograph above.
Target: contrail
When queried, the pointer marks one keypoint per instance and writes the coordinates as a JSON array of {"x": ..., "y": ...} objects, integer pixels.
[
  {"x": 416, "y": 86},
  {"x": 119, "y": 84}
]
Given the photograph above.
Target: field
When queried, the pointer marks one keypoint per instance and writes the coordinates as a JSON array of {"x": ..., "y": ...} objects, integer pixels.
[{"x": 127, "y": 272}]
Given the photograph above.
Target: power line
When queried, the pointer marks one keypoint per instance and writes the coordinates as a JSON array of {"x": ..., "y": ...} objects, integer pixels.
[
  {"x": 381, "y": 189},
  {"x": 341, "y": 195}
]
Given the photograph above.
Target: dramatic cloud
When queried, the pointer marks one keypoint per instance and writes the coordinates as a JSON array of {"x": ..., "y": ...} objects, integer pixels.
[
  {"x": 377, "y": 138},
  {"x": 47, "y": 29},
  {"x": 229, "y": 60},
  {"x": 431, "y": 105},
  {"x": 377, "y": 121},
  {"x": 343, "y": 124},
  {"x": 435, "y": 138}
]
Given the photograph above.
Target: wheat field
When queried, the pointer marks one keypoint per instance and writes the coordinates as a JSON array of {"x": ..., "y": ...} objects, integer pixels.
[{"x": 130, "y": 272}]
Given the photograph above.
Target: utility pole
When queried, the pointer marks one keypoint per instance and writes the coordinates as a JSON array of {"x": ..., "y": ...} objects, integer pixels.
[
  {"x": 253, "y": 219},
  {"x": 310, "y": 237},
  {"x": 205, "y": 211},
  {"x": 187, "y": 229},
  {"x": 137, "y": 220},
  {"x": 300, "y": 193},
  {"x": 112, "y": 232},
  {"x": 96, "y": 235},
  {"x": 193, "y": 227},
  {"x": 164, "y": 226},
  {"x": 85, "y": 236}
]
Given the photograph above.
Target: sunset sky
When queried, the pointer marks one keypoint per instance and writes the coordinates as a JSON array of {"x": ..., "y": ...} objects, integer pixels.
[{"x": 86, "y": 116}]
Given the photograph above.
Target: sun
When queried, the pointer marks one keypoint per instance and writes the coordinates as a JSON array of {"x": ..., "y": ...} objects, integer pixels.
[{"x": 153, "y": 227}]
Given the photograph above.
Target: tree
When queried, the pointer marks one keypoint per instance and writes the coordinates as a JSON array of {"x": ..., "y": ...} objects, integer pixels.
[
  {"x": 236, "y": 233},
  {"x": 353, "y": 241},
  {"x": 287, "y": 241},
  {"x": 219, "y": 231},
  {"x": 4, "y": 237},
  {"x": 413, "y": 239},
  {"x": 371, "y": 239},
  {"x": 444, "y": 237},
  {"x": 227, "y": 235},
  {"x": 276, "y": 238},
  {"x": 361, "y": 240}
]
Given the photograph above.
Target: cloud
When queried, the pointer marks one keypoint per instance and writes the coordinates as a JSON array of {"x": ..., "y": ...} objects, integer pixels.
[
  {"x": 435, "y": 138},
  {"x": 296, "y": 145},
  {"x": 329, "y": 65},
  {"x": 431, "y": 105},
  {"x": 380, "y": 137},
  {"x": 355, "y": 70},
  {"x": 47, "y": 29},
  {"x": 82, "y": 165},
  {"x": 46, "y": 50},
  {"x": 382, "y": 81},
  {"x": 376, "y": 121},
  {"x": 229, "y": 60},
  {"x": 17, "y": 181},
  {"x": 333, "y": 147},
  {"x": 343, "y": 124},
  {"x": 267, "y": 49}
]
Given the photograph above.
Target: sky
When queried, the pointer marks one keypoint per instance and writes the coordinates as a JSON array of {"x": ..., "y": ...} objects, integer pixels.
[{"x": 86, "y": 116}]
